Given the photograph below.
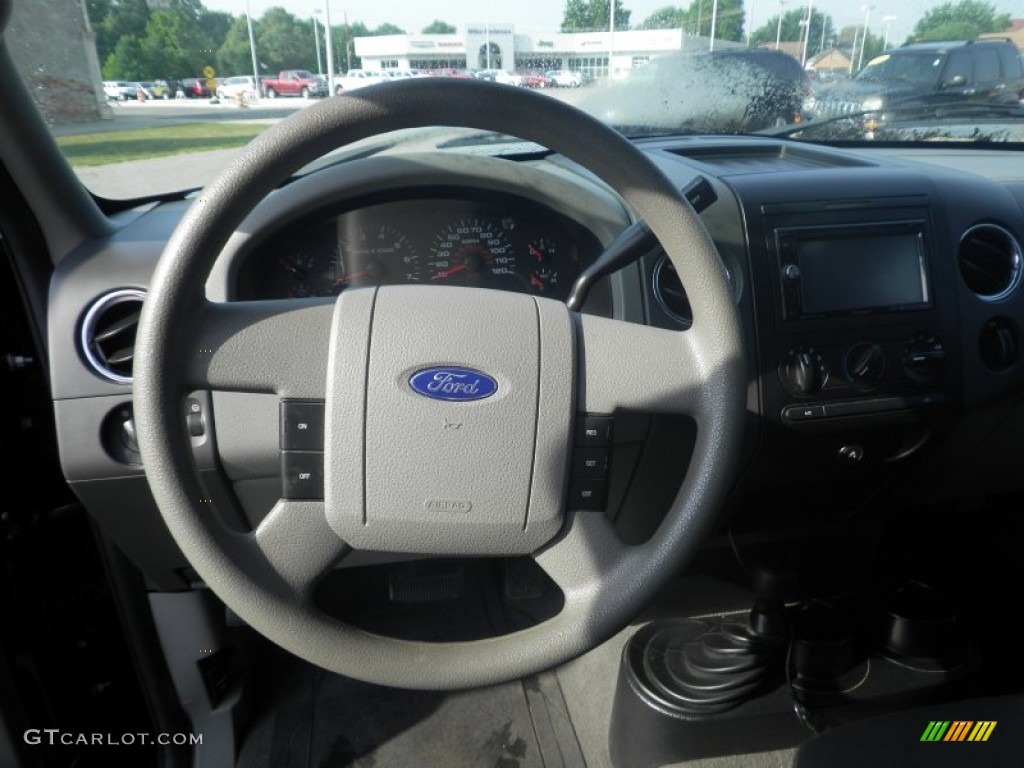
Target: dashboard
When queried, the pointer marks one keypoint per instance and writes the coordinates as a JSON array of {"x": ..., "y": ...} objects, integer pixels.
[
  {"x": 880, "y": 300},
  {"x": 496, "y": 241}
]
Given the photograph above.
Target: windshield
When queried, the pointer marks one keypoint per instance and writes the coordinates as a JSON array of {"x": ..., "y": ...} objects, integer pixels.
[
  {"x": 148, "y": 98},
  {"x": 920, "y": 68}
]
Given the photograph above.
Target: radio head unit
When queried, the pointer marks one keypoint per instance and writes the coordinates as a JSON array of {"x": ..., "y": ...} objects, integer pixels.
[{"x": 850, "y": 270}]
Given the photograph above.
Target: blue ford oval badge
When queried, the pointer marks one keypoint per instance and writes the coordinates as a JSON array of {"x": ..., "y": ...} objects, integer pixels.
[{"x": 450, "y": 383}]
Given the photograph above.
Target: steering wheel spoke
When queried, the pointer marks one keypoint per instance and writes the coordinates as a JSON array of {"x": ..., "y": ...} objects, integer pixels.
[
  {"x": 637, "y": 368},
  {"x": 298, "y": 544},
  {"x": 583, "y": 556},
  {"x": 264, "y": 346}
]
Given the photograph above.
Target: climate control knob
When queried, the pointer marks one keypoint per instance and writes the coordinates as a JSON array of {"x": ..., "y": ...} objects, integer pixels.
[
  {"x": 865, "y": 364},
  {"x": 923, "y": 359},
  {"x": 804, "y": 371}
]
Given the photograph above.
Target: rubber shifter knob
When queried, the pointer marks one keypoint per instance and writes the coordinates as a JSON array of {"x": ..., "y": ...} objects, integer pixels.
[{"x": 773, "y": 584}]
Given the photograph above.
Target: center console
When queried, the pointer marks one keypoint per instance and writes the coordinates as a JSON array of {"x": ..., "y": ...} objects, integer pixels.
[{"x": 856, "y": 322}]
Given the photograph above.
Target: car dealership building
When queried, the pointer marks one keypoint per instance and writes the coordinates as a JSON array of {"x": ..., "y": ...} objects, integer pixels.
[{"x": 501, "y": 46}]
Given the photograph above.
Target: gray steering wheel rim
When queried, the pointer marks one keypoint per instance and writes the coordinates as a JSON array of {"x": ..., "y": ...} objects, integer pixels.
[{"x": 615, "y": 580}]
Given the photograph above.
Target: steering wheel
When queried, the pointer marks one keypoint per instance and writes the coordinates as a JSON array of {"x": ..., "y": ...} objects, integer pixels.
[{"x": 394, "y": 478}]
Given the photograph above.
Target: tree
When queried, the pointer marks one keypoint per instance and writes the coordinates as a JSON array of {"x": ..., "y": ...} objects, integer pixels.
[
  {"x": 439, "y": 28},
  {"x": 668, "y": 17},
  {"x": 728, "y": 20},
  {"x": 963, "y": 21},
  {"x": 233, "y": 54},
  {"x": 128, "y": 61},
  {"x": 112, "y": 20},
  {"x": 592, "y": 16},
  {"x": 284, "y": 42},
  {"x": 388, "y": 29},
  {"x": 176, "y": 44},
  {"x": 792, "y": 30},
  {"x": 216, "y": 25}
]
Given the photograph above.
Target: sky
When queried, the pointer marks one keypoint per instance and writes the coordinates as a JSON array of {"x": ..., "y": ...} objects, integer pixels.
[{"x": 413, "y": 15}]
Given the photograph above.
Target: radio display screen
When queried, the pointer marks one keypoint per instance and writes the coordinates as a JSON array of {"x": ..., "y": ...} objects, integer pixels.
[{"x": 861, "y": 272}]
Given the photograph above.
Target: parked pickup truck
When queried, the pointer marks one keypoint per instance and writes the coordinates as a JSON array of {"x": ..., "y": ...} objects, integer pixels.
[{"x": 294, "y": 82}]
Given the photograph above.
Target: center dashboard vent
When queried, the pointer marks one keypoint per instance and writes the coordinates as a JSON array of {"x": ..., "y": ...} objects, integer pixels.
[
  {"x": 990, "y": 261},
  {"x": 108, "y": 333}
]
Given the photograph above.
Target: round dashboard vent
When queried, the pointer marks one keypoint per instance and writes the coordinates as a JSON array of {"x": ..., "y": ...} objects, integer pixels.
[
  {"x": 990, "y": 261},
  {"x": 668, "y": 290},
  {"x": 108, "y": 334}
]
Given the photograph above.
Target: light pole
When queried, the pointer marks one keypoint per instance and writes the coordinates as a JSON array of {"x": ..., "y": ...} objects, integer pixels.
[
  {"x": 853, "y": 50},
  {"x": 888, "y": 20},
  {"x": 714, "y": 23},
  {"x": 864, "y": 36},
  {"x": 316, "y": 38},
  {"x": 778, "y": 29},
  {"x": 330, "y": 48},
  {"x": 750, "y": 22},
  {"x": 807, "y": 33},
  {"x": 611, "y": 37},
  {"x": 252, "y": 49}
]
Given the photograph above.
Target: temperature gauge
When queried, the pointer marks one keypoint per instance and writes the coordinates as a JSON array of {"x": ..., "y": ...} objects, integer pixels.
[{"x": 543, "y": 272}]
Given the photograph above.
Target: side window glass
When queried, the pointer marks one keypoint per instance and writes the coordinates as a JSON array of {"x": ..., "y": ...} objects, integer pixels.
[
  {"x": 958, "y": 70},
  {"x": 986, "y": 66}
]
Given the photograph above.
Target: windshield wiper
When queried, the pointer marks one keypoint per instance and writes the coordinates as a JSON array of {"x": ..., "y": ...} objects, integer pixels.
[{"x": 918, "y": 110}]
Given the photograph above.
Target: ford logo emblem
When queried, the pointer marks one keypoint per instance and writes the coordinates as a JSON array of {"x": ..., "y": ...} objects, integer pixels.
[{"x": 449, "y": 383}]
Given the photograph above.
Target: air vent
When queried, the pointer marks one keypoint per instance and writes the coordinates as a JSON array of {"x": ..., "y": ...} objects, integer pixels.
[
  {"x": 990, "y": 261},
  {"x": 668, "y": 290},
  {"x": 108, "y": 334}
]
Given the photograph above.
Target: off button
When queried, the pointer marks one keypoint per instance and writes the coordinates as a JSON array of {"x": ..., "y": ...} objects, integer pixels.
[{"x": 302, "y": 475}]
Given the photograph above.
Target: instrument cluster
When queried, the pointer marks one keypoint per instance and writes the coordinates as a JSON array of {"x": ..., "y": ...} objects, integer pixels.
[{"x": 497, "y": 241}]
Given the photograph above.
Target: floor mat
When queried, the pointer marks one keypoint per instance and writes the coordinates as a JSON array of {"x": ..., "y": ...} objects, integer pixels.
[{"x": 322, "y": 720}]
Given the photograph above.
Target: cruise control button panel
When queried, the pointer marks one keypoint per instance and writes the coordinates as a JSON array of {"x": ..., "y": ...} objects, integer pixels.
[
  {"x": 588, "y": 486},
  {"x": 302, "y": 449}
]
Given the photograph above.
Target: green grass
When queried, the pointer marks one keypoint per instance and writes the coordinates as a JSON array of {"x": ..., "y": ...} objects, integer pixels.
[{"x": 109, "y": 147}]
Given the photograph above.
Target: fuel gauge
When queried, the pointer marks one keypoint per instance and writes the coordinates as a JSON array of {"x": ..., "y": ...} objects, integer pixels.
[{"x": 542, "y": 258}]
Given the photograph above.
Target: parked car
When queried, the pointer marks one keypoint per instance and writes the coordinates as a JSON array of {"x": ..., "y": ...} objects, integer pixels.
[
  {"x": 564, "y": 78},
  {"x": 294, "y": 82},
  {"x": 355, "y": 79},
  {"x": 245, "y": 86},
  {"x": 196, "y": 88},
  {"x": 156, "y": 89},
  {"x": 536, "y": 80},
  {"x": 735, "y": 91},
  {"x": 923, "y": 79},
  {"x": 119, "y": 90},
  {"x": 508, "y": 78}
]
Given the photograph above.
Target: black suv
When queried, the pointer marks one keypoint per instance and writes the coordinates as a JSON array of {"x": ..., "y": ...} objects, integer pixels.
[{"x": 926, "y": 79}]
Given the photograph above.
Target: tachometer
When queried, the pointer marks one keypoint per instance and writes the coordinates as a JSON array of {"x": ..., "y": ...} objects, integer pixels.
[
  {"x": 472, "y": 252},
  {"x": 375, "y": 255}
]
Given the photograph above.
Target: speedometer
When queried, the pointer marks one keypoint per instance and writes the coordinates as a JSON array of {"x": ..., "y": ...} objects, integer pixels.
[{"x": 472, "y": 252}]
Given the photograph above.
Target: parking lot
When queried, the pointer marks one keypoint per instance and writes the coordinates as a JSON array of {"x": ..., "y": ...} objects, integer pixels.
[{"x": 167, "y": 172}]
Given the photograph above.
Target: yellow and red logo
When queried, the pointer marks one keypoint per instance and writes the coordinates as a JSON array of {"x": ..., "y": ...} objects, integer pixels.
[{"x": 958, "y": 730}]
